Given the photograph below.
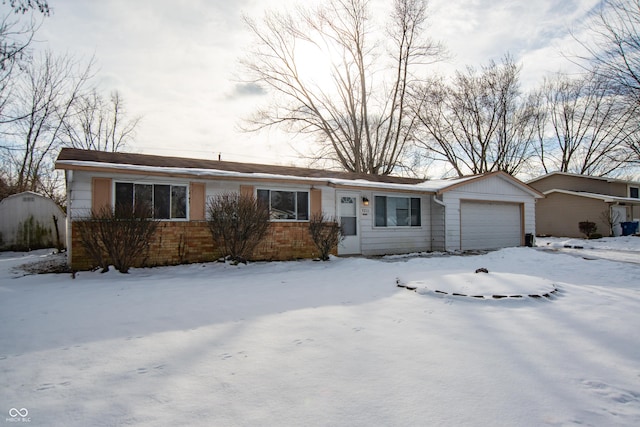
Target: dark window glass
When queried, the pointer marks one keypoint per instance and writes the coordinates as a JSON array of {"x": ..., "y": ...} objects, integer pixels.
[
  {"x": 415, "y": 212},
  {"x": 401, "y": 206},
  {"x": 263, "y": 197},
  {"x": 285, "y": 205},
  {"x": 161, "y": 201},
  {"x": 124, "y": 196},
  {"x": 381, "y": 211},
  {"x": 178, "y": 201},
  {"x": 303, "y": 205},
  {"x": 143, "y": 199},
  {"x": 397, "y": 211},
  {"x": 152, "y": 200},
  {"x": 633, "y": 192}
]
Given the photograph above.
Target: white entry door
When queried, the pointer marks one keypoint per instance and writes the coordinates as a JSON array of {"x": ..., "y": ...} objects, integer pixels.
[
  {"x": 348, "y": 216},
  {"x": 618, "y": 214}
]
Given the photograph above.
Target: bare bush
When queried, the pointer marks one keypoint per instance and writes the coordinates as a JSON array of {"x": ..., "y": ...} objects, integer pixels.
[
  {"x": 611, "y": 218},
  {"x": 588, "y": 228},
  {"x": 326, "y": 234},
  {"x": 117, "y": 237},
  {"x": 238, "y": 223}
]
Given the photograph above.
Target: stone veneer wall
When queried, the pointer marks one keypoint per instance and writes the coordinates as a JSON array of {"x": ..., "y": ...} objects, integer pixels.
[{"x": 189, "y": 242}]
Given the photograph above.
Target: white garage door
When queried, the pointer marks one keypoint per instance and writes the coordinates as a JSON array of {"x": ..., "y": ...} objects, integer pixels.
[{"x": 489, "y": 225}]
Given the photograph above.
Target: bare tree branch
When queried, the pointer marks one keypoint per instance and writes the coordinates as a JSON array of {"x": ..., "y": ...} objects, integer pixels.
[
  {"x": 481, "y": 122},
  {"x": 587, "y": 127},
  {"x": 359, "y": 112}
]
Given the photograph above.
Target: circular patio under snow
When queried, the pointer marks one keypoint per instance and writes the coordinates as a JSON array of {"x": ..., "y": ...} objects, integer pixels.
[{"x": 481, "y": 286}]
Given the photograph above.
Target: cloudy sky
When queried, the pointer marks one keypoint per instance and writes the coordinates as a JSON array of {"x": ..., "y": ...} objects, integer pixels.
[{"x": 176, "y": 62}]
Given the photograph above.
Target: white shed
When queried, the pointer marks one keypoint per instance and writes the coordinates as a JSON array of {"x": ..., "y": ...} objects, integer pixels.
[{"x": 30, "y": 220}]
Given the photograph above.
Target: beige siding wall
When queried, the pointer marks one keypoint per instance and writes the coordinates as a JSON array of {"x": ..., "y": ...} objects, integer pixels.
[
  {"x": 580, "y": 183},
  {"x": 559, "y": 214}
]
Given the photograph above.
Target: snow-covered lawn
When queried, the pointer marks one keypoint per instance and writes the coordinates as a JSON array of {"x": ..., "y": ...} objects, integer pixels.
[{"x": 329, "y": 344}]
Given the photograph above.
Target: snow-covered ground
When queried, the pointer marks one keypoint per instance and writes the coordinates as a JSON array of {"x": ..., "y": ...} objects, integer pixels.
[{"x": 338, "y": 343}]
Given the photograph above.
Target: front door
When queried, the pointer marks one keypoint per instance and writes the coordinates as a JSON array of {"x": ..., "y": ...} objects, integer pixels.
[
  {"x": 348, "y": 215},
  {"x": 618, "y": 215}
]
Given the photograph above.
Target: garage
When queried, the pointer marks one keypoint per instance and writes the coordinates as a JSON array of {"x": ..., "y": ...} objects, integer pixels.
[{"x": 490, "y": 225}]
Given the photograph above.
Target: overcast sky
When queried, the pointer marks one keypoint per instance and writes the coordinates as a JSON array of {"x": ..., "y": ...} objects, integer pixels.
[{"x": 175, "y": 62}]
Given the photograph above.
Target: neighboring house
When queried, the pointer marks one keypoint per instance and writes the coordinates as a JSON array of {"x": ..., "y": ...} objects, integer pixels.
[
  {"x": 570, "y": 199},
  {"x": 29, "y": 220},
  {"x": 379, "y": 214}
]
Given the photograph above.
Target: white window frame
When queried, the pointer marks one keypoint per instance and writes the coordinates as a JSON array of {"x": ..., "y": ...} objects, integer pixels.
[
  {"x": 153, "y": 183},
  {"x": 288, "y": 190},
  {"x": 637, "y": 189}
]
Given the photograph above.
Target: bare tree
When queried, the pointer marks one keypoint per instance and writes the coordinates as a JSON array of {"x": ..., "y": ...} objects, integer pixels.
[
  {"x": 614, "y": 44},
  {"x": 587, "y": 127},
  {"x": 99, "y": 124},
  {"x": 23, "y": 6},
  {"x": 613, "y": 54},
  {"x": 45, "y": 94},
  {"x": 480, "y": 122},
  {"x": 611, "y": 218},
  {"x": 359, "y": 113},
  {"x": 16, "y": 34}
]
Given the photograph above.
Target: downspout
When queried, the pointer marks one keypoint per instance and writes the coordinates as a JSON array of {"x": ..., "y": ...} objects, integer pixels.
[
  {"x": 438, "y": 201},
  {"x": 444, "y": 221},
  {"x": 68, "y": 225}
]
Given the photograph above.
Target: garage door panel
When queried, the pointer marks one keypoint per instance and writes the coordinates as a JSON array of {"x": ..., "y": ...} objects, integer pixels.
[{"x": 490, "y": 225}]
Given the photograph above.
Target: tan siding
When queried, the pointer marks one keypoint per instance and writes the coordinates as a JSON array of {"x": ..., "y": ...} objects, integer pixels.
[
  {"x": 196, "y": 201},
  {"x": 315, "y": 197},
  {"x": 580, "y": 183},
  {"x": 100, "y": 193},
  {"x": 559, "y": 214},
  {"x": 618, "y": 189},
  {"x": 246, "y": 190}
]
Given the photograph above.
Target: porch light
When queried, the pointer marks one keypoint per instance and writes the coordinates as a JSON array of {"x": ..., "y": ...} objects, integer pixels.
[{"x": 365, "y": 201}]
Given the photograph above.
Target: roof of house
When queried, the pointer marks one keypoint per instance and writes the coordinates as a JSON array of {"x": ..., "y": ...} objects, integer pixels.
[
  {"x": 600, "y": 178},
  {"x": 72, "y": 158},
  {"x": 604, "y": 197},
  {"x": 73, "y": 154}
]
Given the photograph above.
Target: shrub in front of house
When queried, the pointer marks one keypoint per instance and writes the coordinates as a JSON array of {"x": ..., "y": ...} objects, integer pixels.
[
  {"x": 588, "y": 228},
  {"x": 238, "y": 223},
  {"x": 326, "y": 234},
  {"x": 117, "y": 237}
]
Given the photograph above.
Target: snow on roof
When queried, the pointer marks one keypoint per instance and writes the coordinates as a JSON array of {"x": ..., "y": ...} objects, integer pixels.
[
  {"x": 428, "y": 186},
  {"x": 71, "y": 158}
]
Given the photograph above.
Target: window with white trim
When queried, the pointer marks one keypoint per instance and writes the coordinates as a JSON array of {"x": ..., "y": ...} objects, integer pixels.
[
  {"x": 285, "y": 205},
  {"x": 164, "y": 201},
  {"x": 633, "y": 193},
  {"x": 397, "y": 211}
]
